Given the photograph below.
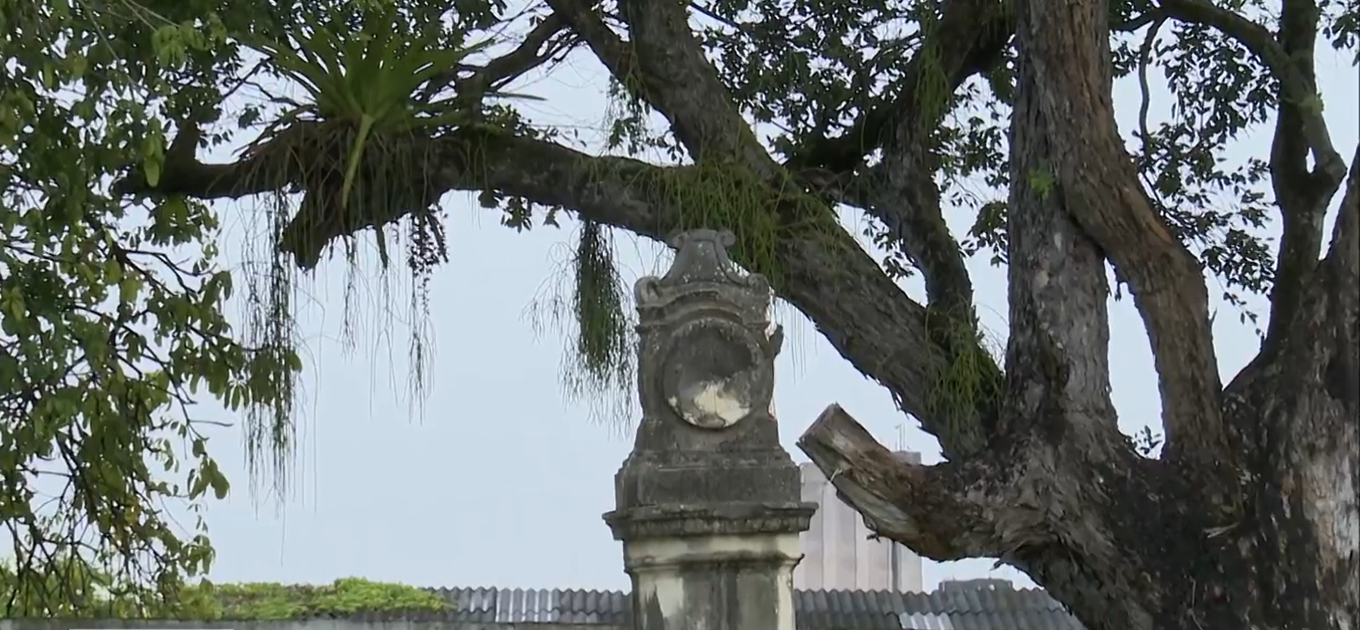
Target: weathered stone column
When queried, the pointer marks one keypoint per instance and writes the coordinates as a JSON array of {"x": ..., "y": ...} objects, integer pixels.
[{"x": 708, "y": 503}]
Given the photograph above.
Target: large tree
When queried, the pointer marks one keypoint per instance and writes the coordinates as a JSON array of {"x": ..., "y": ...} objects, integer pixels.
[{"x": 1248, "y": 518}]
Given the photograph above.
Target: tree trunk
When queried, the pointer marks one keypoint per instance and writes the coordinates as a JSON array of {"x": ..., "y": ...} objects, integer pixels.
[{"x": 1251, "y": 517}]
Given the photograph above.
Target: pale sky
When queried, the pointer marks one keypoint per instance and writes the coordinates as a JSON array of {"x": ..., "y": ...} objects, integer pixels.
[{"x": 503, "y": 483}]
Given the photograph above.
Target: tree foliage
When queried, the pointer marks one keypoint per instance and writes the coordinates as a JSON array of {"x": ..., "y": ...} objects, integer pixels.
[
  {"x": 97, "y": 594},
  {"x": 112, "y": 310},
  {"x": 778, "y": 113}
]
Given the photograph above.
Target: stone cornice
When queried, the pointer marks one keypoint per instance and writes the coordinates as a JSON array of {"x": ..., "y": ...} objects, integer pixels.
[{"x": 737, "y": 518}]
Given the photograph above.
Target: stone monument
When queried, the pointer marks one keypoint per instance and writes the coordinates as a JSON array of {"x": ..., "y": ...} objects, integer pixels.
[{"x": 708, "y": 503}]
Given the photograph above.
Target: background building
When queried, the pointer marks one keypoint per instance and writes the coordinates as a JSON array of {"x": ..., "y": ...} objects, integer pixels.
[{"x": 838, "y": 551}]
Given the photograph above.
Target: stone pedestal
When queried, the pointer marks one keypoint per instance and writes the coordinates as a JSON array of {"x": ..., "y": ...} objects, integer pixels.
[{"x": 707, "y": 503}]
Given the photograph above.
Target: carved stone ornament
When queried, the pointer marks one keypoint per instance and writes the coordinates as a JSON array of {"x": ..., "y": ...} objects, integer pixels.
[{"x": 705, "y": 353}]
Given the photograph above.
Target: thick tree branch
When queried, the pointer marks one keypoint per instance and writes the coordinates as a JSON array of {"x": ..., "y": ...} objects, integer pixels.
[
  {"x": 903, "y": 194},
  {"x": 825, "y": 272},
  {"x": 1067, "y": 44},
  {"x": 1302, "y": 196},
  {"x": 1295, "y": 409},
  {"x": 1057, "y": 362},
  {"x": 970, "y": 38},
  {"x": 530, "y": 54},
  {"x": 615, "y": 54},
  {"x": 666, "y": 65},
  {"x": 669, "y": 69},
  {"x": 535, "y": 49},
  {"x": 1297, "y": 87},
  {"x": 945, "y": 512},
  {"x": 901, "y": 190},
  {"x": 1338, "y": 280}
]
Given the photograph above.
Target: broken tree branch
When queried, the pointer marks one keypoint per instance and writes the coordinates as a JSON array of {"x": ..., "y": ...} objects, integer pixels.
[{"x": 945, "y": 512}]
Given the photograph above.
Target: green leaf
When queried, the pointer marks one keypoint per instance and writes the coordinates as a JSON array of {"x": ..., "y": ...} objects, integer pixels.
[
  {"x": 128, "y": 289},
  {"x": 219, "y": 483},
  {"x": 198, "y": 484},
  {"x": 151, "y": 169}
]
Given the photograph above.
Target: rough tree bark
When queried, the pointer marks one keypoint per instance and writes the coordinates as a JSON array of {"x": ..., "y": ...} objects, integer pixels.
[{"x": 1250, "y": 517}]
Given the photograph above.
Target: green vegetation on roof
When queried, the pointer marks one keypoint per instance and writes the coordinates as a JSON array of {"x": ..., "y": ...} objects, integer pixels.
[
  {"x": 343, "y": 597},
  {"x": 235, "y": 601}
]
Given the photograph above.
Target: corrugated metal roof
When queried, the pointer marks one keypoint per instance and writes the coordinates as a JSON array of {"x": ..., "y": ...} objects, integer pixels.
[
  {"x": 957, "y": 607},
  {"x": 925, "y": 621},
  {"x": 961, "y": 607},
  {"x": 820, "y": 609},
  {"x": 487, "y": 605}
]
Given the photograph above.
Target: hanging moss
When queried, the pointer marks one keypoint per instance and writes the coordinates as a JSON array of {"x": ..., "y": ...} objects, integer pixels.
[
  {"x": 604, "y": 347},
  {"x": 967, "y": 381},
  {"x": 386, "y": 187},
  {"x": 722, "y": 195},
  {"x": 933, "y": 91}
]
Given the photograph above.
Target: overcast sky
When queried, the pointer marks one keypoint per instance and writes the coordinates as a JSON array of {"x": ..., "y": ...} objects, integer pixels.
[{"x": 503, "y": 482}]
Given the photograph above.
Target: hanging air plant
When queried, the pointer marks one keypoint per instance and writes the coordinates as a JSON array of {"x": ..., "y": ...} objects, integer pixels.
[{"x": 365, "y": 131}]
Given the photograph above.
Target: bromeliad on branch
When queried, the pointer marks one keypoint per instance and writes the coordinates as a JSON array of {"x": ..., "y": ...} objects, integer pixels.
[{"x": 368, "y": 123}]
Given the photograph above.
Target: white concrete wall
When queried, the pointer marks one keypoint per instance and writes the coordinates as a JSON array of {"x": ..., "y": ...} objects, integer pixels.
[{"x": 837, "y": 551}]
